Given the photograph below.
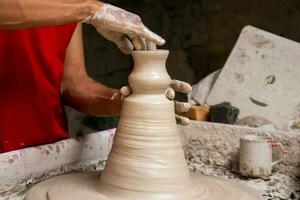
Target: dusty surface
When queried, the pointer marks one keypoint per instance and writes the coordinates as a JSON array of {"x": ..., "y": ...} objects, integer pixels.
[
  {"x": 278, "y": 187},
  {"x": 20, "y": 169},
  {"x": 213, "y": 149},
  {"x": 210, "y": 149},
  {"x": 218, "y": 145}
]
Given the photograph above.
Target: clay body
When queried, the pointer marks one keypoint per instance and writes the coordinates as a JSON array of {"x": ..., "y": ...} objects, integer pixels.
[
  {"x": 147, "y": 160},
  {"x": 147, "y": 148}
]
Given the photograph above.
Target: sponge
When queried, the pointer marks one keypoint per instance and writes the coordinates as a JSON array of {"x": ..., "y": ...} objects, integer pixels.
[{"x": 199, "y": 113}]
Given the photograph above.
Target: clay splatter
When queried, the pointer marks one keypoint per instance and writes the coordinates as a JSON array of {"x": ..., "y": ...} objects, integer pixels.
[
  {"x": 257, "y": 102},
  {"x": 57, "y": 149}
]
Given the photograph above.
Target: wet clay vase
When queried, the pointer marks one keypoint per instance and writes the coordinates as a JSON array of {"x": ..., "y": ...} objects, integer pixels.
[{"x": 147, "y": 160}]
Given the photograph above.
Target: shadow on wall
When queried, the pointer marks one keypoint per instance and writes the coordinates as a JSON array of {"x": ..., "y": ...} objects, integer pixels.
[{"x": 199, "y": 33}]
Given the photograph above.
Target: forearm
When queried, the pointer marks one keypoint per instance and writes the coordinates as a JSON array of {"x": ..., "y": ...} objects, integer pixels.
[
  {"x": 17, "y": 14},
  {"x": 90, "y": 97}
]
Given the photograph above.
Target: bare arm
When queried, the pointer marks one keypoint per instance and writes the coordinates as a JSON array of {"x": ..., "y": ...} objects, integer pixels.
[
  {"x": 80, "y": 91},
  {"x": 17, "y": 14},
  {"x": 123, "y": 28}
]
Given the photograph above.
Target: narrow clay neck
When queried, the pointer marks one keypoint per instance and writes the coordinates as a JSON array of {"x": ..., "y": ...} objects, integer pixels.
[
  {"x": 149, "y": 74},
  {"x": 150, "y": 58}
]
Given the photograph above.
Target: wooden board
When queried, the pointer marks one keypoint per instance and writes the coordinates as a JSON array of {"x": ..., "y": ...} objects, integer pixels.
[{"x": 261, "y": 77}]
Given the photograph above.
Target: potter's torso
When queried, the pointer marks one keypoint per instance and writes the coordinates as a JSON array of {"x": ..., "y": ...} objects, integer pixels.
[{"x": 31, "y": 69}]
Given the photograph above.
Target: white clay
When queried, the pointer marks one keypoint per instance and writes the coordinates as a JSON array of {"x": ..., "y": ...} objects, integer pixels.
[{"x": 147, "y": 160}]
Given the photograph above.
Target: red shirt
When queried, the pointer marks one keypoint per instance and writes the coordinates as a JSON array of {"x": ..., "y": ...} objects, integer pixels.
[{"x": 31, "y": 69}]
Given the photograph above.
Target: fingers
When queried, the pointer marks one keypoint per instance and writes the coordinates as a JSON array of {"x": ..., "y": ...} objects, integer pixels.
[
  {"x": 144, "y": 39},
  {"x": 127, "y": 42},
  {"x": 111, "y": 19},
  {"x": 125, "y": 91},
  {"x": 151, "y": 46},
  {"x": 136, "y": 33},
  {"x": 139, "y": 43},
  {"x": 121, "y": 94},
  {"x": 151, "y": 36},
  {"x": 116, "y": 96},
  {"x": 170, "y": 94},
  {"x": 182, "y": 107},
  {"x": 123, "y": 43},
  {"x": 180, "y": 86},
  {"x": 182, "y": 120}
]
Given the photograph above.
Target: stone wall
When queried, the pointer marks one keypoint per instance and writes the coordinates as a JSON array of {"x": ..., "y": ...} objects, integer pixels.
[{"x": 200, "y": 35}]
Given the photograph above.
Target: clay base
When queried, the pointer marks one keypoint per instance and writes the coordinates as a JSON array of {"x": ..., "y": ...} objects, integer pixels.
[{"x": 86, "y": 186}]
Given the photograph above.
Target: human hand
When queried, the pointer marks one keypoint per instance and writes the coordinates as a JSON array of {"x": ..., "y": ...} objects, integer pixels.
[
  {"x": 121, "y": 94},
  {"x": 180, "y": 107},
  {"x": 123, "y": 28}
]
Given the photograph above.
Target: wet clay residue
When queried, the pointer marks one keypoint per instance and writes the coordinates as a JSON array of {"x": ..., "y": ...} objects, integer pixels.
[
  {"x": 258, "y": 102},
  {"x": 262, "y": 42},
  {"x": 57, "y": 149},
  {"x": 253, "y": 121},
  {"x": 270, "y": 80},
  {"x": 243, "y": 58},
  {"x": 239, "y": 77},
  {"x": 258, "y": 173}
]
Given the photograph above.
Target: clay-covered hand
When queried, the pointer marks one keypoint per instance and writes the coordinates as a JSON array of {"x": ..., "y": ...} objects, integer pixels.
[
  {"x": 122, "y": 93},
  {"x": 180, "y": 107},
  {"x": 123, "y": 28}
]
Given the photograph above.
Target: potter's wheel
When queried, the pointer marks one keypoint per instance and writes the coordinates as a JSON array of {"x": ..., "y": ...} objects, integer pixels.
[
  {"x": 147, "y": 160},
  {"x": 86, "y": 186}
]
